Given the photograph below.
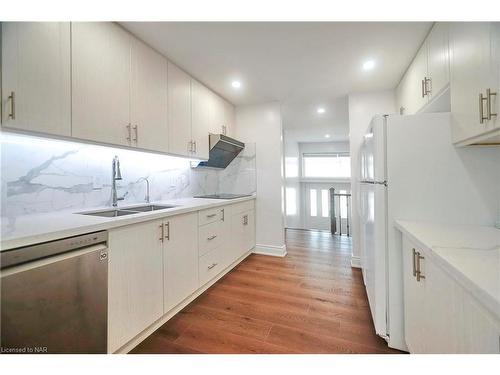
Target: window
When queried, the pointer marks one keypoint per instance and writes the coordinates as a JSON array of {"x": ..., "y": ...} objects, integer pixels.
[
  {"x": 291, "y": 199},
  {"x": 327, "y": 165}
]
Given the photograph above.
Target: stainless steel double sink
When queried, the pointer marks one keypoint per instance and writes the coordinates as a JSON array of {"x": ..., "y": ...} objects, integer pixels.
[{"x": 123, "y": 211}]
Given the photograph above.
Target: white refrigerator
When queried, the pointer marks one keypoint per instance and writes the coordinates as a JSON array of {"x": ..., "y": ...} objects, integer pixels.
[{"x": 411, "y": 171}]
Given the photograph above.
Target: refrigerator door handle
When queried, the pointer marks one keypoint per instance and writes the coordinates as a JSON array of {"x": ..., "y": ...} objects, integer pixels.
[{"x": 374, "y": 182}]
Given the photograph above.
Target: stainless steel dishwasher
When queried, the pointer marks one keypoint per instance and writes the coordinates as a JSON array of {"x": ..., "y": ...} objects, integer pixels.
[{"x": 54, "y": 296}]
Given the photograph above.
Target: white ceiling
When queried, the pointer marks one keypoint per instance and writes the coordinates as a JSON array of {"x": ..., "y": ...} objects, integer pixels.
[{"x": 301, "y": 64}]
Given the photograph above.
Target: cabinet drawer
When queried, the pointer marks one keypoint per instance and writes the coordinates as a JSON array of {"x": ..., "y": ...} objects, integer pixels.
[
  {"x": 211, "y": 215},
  {"x": 210, "y": 236},
  {"x": 211, "y": 264},
  {"x": 243, "y": 206}
]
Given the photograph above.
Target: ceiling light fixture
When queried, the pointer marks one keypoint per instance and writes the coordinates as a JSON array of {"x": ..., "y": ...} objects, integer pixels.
[
  {"x": 236, "y": 84},
  {"x": 369, "y": 65},
  {"x": 320, "y": 110},
  {"x": 327, "y": 135}
]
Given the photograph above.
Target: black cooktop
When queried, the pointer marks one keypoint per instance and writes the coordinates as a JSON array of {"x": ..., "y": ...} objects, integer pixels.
[{"x": 222, "y": 196}]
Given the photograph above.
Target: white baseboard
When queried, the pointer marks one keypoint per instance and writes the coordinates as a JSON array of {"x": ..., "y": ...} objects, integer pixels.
[
  {"x": 275, "y": 251},
  {"x": 355, "y": 262}
]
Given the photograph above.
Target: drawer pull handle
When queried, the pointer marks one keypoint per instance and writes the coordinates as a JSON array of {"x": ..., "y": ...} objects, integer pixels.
[
  {"x": 12, "y": 98},
  {"x": 419, "y": 271},
  {"x": 481, "y": 111},
  {"x": 211, "y": 215},
  {"x": 162, "y": 236},
  {"x": 212, "y": 266},
  {"x": 489, "y": 113},
  {"x": 414, "y": 263},
  {"x": 211, "y": 237},
  {"x": 167, "y": 237}
]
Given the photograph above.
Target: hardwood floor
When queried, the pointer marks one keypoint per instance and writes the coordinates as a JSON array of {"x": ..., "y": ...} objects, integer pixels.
[{"x": 311, "y": 301}]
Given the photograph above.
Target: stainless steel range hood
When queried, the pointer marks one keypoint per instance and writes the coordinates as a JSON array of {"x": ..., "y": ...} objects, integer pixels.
[{"x": 223, "y": 150}]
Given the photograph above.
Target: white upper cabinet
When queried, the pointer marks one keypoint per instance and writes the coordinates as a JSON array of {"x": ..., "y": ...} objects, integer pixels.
[
  {"x": 101, "y": 82},
  {"x": 218, "y": 120},
  {"x": 36, "y": 85},
  {"x": 148, "y": 111},
  {"x": 438, "y": 59},
  {"x": 202, "y": 114},
  {"x": 474, "y": 76},
  {"x": 428, "y": 74},
  {"x": 413, "y": 91},
  {"x": 179, "y": 111},
  {"x": 229, "y": 119}
]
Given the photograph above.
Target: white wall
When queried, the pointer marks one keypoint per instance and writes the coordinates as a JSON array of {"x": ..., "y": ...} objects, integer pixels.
[
  {"x": 292, "y": 182},
  {"x": 362, "y": 107},
  {"x": 262, "y": 124}
]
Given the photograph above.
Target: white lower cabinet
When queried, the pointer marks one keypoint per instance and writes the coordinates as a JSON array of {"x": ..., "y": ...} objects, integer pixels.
[
  {"x": 157, "y": 265},
  {"x": 180, "y": 260},
  {"x": 440, "y": 316},
  {"x": 135, "y": 278},
  {"x": 243, "y": 233}
]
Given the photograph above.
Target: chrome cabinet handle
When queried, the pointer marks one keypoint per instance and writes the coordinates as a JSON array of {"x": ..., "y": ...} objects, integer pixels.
[
  {"x": 136, "y": 131},
  {"x": 212, "y": 266},
  {"x": 426, "y": 90},
  {"x": 481, "y": 112},
  {"x": 167, "y": 237},
  {"x": 12, "y": 98},
  {"x": 414, "y": 254},
  {"x": 419, "y": 271},
  {"x": 195, "y": 147},
  {"x": 489, "y": 114},
  {"x": 223, "y": 215},
  {"x": 211, "y": 215},
  {"x": 245, "y": 220},
  {"x": 212, "y": 237},
  {"x": 129, "y": 132},
  {"x": 423, "y": 89},
  {"x": 162, "y": 232}
]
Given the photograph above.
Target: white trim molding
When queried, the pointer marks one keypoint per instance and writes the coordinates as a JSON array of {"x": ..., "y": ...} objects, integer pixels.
[
  {"x": 272, "y": 250},
  {"x": 355, "y": 262}
]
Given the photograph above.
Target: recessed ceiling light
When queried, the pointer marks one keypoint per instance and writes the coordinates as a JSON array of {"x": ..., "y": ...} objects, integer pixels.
[
  {"x": 327, "y": 135},
  {"x": 369, "y": 65},
  {"x": 236, "y": 84},
  {"x": 320, "y": 110}
]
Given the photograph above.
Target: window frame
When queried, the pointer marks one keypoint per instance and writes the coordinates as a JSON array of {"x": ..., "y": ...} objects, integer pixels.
[{"x": 323, "y": 154}]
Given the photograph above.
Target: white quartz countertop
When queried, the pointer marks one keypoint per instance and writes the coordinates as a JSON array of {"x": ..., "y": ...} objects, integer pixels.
[
  {"x": 31, "y": 229},
  {"x": 470, "y": 254}
]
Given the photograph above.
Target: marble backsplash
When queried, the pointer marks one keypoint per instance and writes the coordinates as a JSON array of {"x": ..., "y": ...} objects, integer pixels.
[{"x": 44, "y": 175}]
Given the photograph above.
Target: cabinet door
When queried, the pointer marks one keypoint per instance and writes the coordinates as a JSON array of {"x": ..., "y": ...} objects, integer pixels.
[
  {"x": 229, "y": 119},
  {"x": 413, "y": 302},
  {"x": 36, "y": 69},
  {"x": 438, "y": 59},
  {"x": 180, "y": 258},
  {"x": 469, "y": 76},
  {"x": 441, "y": 310},
  {"x": 202, "y": 108},
  {"x": 148, "y": 98},
  {"x": 416, "y": 73},
  {"x": 242, "y": 233},
  {"x": 218, "y": 115},
  {"x": 135, "y": 281},
  {"x": 101, "y": 82},
  {"x": 179, "y": 111},
  {"x": 494, "y": 76},
  {"x": 481, "y": 330}
]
